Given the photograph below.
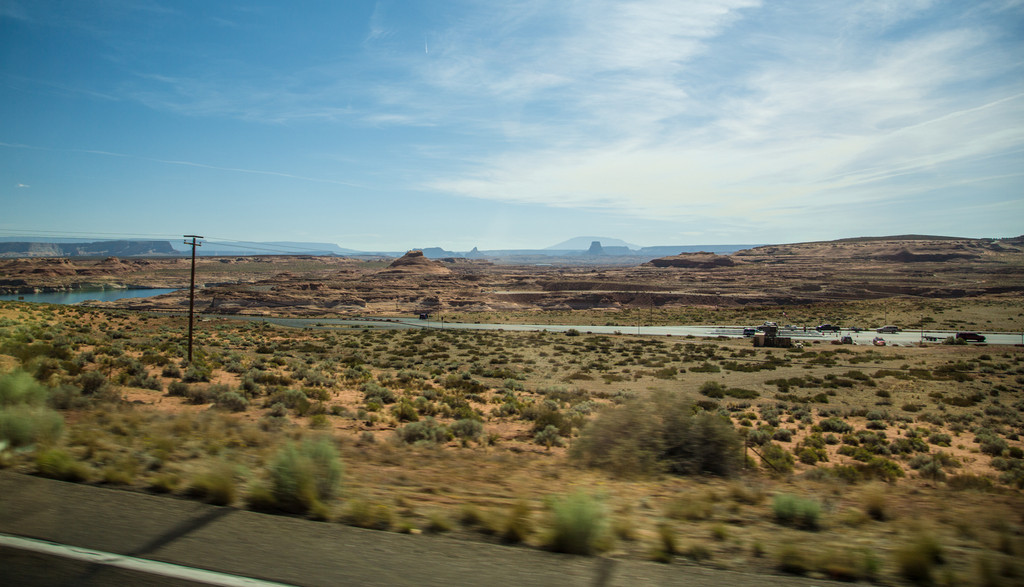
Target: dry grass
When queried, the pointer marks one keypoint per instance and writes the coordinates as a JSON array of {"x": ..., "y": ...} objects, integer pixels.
[{"x": 499, "y": 485}]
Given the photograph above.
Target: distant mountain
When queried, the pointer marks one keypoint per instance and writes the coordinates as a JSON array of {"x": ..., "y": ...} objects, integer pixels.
[
  {"x": 216, "y": 248},
  {"x": 87, "y": 249},
  {"x": 583, "y": 243}
]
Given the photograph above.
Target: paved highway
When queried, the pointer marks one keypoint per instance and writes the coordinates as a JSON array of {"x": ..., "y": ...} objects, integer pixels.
[
  {"x": 908, "y": 337},
  {"x": 98, "y": 536}
]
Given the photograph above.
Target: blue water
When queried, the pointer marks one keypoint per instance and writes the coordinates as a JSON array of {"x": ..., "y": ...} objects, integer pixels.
[{"x": 74, "y": 297}]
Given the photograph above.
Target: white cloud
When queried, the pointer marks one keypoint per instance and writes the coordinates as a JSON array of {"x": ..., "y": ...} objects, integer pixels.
[{"x": 813, "y": 120}]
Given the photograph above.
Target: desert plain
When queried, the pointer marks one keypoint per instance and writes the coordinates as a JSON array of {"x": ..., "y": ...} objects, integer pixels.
[{"x": 888, "y": 464}]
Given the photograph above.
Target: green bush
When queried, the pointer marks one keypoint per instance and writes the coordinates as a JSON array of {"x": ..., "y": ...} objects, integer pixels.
[
  {"x": 793, "y": 560},
  {"x": 661, "y": 433},
  {"x": 23, "y": 425},
  {"x": 216, "y": 485},
  {"x": 304, "y": 476},
  {"x": 58, "y": 464},
  {"x": 363, "y": 514},
  {"x": 548, "y": 437},
  {"x": 712, "y": 389},
  {"x": 426, "y": 430},
  {"x": 20, "y": 388},
  {"x": 777, "y": 458},
  {"x": 467, "y": 429},
  {"x": 579, "y": 525},
  {"x": 916, "y": 557},
  {"x": 517, "y": 527},
  {"x": 791, "y": 510},
  {"x": 403, "y": 411},
  {"x": 233, "y": 401}
]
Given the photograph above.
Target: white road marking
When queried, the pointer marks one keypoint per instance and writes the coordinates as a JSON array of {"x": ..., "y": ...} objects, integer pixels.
[{"x": 131, "y": 563}]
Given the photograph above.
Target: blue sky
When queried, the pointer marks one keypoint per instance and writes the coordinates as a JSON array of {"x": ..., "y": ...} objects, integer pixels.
[{"x": 517, "y": 124}]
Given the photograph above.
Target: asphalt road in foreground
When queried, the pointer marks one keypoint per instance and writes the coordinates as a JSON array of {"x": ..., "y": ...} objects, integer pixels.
[{"x": 127, "y": 527}]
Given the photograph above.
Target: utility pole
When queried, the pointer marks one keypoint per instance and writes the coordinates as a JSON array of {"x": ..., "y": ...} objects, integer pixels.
[{"x": 192, "y": 291}]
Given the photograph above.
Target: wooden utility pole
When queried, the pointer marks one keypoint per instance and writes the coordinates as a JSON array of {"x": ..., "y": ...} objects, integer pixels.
[{"x": 192, "y": 291}]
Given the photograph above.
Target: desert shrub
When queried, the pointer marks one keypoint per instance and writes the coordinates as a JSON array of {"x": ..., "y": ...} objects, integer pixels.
[
  {"x": 875, "y": 504},
  {"x": 916, "y": 558},
  {"x": 203, "y": 395},
  {"x": 713, "y": 389},
  {"x": 196, "y": 374},
  {"x": 303, "y": 477},
  {"x": 759, "y": 436},
  {"x": 783, "y": 435},
  {"x": 66, "y": 397},
  {"x": 517, "y": 527},
  {"x": 880, "y": 468},
  {"x": 216, "y": 485},
  {"x": 969, "y": 482},
  {"x": 292, "y": 399},
  {"x": 777, "y": 458},
  {"x": 92, "y": 382},
  {"x": 548, "y": 437},
  {"x": 546, "y": 414},
  {"x": 57, "y": 464},
  {"x": 793, "y": 560},
  {"x": 363, "y": 514},
  {"x": 835, "y": 425},
  {"x": 377, "y": 393},
  {"x": 791, "y": 510},
  {"x": 467, "y": 429},
  {"x": 405, "y": 412},
  {"x": 25, "y": 425},
  {"x": 230, "y": 400},
  {"x": 164, "y": 483},
  {"x": 438, "y": 523},
  {"x": 663, "y": 432},
  {"x": 991, "y": 444},
  {"x": 20, "y": 388},
  {"x": 426, "y": 430},
  {"x": 178, "y": 388},
  {"x": 907, "y": 446},
  {"x": 579, "y": 525}
]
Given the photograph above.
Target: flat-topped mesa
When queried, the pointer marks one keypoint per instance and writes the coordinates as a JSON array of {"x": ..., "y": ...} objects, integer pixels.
[
  {"x": 414, "y": 262},
  {"x": 701, "y": 260}
]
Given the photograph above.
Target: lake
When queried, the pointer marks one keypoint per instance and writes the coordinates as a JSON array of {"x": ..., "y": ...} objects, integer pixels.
[{"x": 81, "y": 295}]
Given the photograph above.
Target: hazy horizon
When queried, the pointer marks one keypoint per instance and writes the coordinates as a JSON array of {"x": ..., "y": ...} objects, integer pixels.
[{"x": 374, "y": 125}]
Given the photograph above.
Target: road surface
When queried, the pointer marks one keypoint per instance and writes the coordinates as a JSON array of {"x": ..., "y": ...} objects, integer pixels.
[
  {"x": 904, "y": 338},
  {"x": 135, "y": 528}
]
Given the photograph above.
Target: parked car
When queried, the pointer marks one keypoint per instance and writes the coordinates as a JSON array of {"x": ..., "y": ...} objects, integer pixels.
[
  {"x": 970, "y": 336},
  {"x": 878, "y": 341},
  {"x": 827, "y": 328},
  {"x": 843, "y": 340},
  {"x": 888, "y": 329}
]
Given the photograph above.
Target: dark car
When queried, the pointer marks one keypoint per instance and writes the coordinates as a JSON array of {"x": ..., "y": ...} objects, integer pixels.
[
  {"x": 970, "y": 336},
  {"x": 749, "y": 331},
  {"x": 827, "y": 328}
]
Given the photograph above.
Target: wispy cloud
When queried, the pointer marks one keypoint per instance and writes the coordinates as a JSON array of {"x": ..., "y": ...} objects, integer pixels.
[
  {"x": 185, "y": 164},
  {"x": 836, "y": 115}
]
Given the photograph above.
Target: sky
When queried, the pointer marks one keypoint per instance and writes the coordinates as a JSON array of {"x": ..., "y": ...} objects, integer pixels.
[{"x": 398, "y": 124}]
